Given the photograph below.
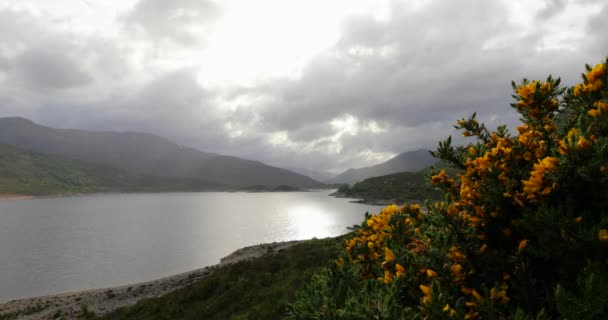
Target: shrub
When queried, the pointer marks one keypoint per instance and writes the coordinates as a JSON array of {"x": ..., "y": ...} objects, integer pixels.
[{"x": 522, "y": 232}]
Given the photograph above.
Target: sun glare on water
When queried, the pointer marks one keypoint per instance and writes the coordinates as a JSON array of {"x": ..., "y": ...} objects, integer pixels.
[{"x": 309, "y": 221}]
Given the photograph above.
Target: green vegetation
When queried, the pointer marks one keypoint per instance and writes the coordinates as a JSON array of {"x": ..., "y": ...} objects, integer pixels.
[
  {"x": 25, "y": 172},
  {"x": 397, "y": 187},
  {"x": 253, "y": 289},
  {"x": 521, "y": 233}
]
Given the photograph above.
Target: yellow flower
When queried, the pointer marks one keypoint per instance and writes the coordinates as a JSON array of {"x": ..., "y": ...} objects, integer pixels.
[
  {"x": 602, "y": 106},
  {"x": 456, "y": 271},
  {"x": 426, "y": 290},
  {"x": 340, "y": 262},
  {"x": 594, "y": 112},
  {"x": 578, "y": 89},
  {"x": 523, "y": 244},
  {"x": 427, "y": 294},
  {"x": 430, "y": 273},
  {"x": 477, "y": 295},
  {"x": 447, "y": 309},
  {"x": 595, "y": 73},
  {"x": 583, "y": 144},
  {"x": 603, "y": 235},
  {"x": 400, "y": 270},
  {"x": 483, "y": 249},
  {"x": 578, "y": 220},
  {"x": 389, "y": 256},
  {"x": 501, "y": 295},
  {"x": 388, "y": 277},
  {"x": 455, "y": 255}
]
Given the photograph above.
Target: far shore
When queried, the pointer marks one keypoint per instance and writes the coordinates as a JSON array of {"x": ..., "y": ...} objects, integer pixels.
[
  {"x": 103, "y": 301},
  {"x": 373, "y": 202},
  {"x": 8, "y": 197}
]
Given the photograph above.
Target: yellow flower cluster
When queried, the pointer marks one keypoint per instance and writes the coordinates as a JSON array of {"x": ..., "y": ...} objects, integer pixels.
[
  {"x": 594, "y": 81},
  {"x": 599, "y": 108},
  {"x": 501, "y": 178},
  {"x": 536, "y": 185},
  {"x": 370, "y": 244},
  {"x": 536, "y": 105}
]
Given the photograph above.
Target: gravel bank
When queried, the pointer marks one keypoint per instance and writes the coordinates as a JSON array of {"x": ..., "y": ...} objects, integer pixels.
[{"x": 102, "y": 301}]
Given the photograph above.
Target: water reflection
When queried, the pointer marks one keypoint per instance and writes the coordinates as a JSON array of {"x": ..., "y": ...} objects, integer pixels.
[
  {"x": 64, "y": 244},
  {"x": 310, "y": 221}
]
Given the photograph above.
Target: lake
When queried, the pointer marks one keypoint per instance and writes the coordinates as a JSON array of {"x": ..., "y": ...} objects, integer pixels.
[{"x": 53, "y": 245}]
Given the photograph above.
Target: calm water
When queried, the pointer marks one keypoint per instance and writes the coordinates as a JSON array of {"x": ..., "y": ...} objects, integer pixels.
[{"x": 63, "y": 244}]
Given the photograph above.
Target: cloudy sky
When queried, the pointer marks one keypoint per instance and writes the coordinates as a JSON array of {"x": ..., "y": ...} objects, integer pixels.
[{"x": 315, "y": 84}]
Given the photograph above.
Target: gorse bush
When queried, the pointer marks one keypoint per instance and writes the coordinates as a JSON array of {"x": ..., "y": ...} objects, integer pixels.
[{"x": 522, "y": 232}]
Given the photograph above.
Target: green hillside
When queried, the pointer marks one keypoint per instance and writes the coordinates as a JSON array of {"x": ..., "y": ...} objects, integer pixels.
[
  {"x": 146, "y": 155},
  {"x": 252, "y": 289},
  {"x": 397, "y": 187},
  {"x": 26, "y": 172}
]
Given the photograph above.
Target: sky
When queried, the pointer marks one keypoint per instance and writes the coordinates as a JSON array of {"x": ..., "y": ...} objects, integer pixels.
[{"x": 312, "y": 84}]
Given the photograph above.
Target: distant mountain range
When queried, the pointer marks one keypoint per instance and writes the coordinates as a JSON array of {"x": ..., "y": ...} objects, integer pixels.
[
  {"x": 315, "y": 174},
  {"x": 410, "y": 161},
  {"x": 146, "y": 155}
]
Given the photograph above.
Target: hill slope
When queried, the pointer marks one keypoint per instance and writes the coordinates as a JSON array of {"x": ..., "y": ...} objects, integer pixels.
[
  {"x": 145, "y": 154},
  {"x": 410, "y": 161},
  {"x": 27, "y": 172},
  {"x": 397, "y": 187}
]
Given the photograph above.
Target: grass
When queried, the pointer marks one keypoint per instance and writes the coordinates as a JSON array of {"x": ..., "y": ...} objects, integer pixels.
[{"x": 254, "y": 289}]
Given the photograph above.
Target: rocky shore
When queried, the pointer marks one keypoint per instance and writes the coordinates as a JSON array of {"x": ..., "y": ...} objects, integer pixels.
[{"x": 102, "y": 301}]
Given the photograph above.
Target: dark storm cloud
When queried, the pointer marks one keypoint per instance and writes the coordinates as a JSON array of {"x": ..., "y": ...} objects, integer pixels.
[
  {"x": 174, "y": 20},
  {"x": 403, "y": 81},
  {"x": 399, "y": 72},
  {"x": 44, "y": 68},
  {"x": 418, "y": 73},
  {"x": 597, "y": 30},
  {"x": 172, "y": 105},
  {"x": 552, "y": 7}
]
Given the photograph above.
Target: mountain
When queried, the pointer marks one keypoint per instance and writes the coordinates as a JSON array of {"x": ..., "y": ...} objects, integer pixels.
[
  {"x": 317, "y": 175},
  {"x": 146, "y": 154},
  {"x": 32, "y": 173},
  {"x": 410, "y": 161}
]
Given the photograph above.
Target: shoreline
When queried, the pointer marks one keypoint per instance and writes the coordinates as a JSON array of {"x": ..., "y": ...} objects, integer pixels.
[
  {"x": 105, "y": 300},
  {"x": 371, "y": 202},
  {"x": 12, "y": 197}
]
